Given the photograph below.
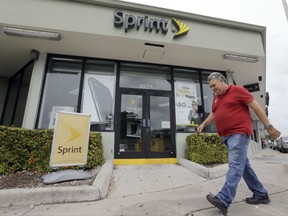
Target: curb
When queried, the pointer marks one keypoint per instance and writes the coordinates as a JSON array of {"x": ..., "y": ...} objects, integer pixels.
[
  {"x": 102, "y": 180},
  {"x": 48, "y": 195},
  {"x": 208, "y": 173}
]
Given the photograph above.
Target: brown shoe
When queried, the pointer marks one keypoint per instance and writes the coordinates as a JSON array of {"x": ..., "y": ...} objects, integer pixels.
[{"x": 217, "y": 203}]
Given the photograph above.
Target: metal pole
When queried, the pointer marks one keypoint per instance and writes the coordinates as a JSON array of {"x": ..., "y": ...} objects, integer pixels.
[{"x": 285, "y": 8}]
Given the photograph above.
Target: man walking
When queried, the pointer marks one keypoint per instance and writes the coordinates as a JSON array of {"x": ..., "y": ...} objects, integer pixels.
[{"x": 230, "y": 111}]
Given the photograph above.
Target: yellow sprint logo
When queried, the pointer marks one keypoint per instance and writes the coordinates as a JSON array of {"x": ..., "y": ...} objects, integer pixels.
[
  {"x": 181, "y": 27},
  {"x": 132, "y": 102},
  {"x": 74, "y": 134}
]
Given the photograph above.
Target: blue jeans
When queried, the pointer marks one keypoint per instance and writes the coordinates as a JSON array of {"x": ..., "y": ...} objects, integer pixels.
[{"x": 239, "y": 166}]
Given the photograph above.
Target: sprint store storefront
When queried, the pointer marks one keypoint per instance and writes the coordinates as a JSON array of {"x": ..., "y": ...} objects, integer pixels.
[{"x": 139, "y": 71}]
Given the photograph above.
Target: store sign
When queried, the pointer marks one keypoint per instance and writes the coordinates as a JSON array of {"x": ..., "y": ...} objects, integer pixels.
[
  {"x": 252, "y": 87},
  {"x": 148, "y": 23},
  {"x": 70, "y": 140}
]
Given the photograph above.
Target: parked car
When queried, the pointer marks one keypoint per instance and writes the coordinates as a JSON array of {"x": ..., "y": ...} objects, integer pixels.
[
  {"x": 283, "y": 144},
  {"x": 272, "y": 144},
  {"x": 275, "y": 145}
]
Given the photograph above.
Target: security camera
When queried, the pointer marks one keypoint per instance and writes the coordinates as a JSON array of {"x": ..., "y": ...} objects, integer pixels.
[{"x": 34, "y": 54}]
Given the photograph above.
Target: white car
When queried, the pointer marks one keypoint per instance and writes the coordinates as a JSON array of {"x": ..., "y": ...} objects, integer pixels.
[{"x": 274, "y": 144}]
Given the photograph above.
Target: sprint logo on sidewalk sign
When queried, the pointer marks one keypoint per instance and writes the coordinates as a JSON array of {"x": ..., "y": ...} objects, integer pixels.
[
  {"x": 130, "y": 22},
  {"x": 70, "y": 140}
]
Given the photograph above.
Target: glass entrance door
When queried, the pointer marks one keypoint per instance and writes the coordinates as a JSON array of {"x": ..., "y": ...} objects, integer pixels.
[{"x": 144, "y": 129}]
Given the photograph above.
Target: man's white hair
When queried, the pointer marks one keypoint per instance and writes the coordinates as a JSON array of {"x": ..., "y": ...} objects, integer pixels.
[{"x": 216, "y": 76}]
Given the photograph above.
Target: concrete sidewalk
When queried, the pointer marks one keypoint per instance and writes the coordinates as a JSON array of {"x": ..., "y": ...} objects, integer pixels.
[
  {"x": 174, "y": 190},
  {"x": 173, "y": 176}
]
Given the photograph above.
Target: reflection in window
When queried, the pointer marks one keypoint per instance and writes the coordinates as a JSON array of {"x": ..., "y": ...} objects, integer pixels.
[
  {"x": 160, "y": 127},
  {"x": 208, "y": 100},
  {"x": 130, "y": 125},
  {"x": 60, "y": 91},
  {"x": 188, "y": 105},
  {"x": 145, "y": 77}
]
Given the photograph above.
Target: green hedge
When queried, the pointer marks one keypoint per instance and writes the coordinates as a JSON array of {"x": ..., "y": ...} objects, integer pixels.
[
  {"x": 24, "y": 149},
  {"x": 206, "y": 149}
]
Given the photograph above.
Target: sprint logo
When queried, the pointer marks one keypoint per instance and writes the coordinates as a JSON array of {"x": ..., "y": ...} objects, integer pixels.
[
  {"x": 181, "y": 27},
  {"x": 147, "y": 23},
  {"x": 74, "y": 134},
  {"x": 132, "y": 102}
]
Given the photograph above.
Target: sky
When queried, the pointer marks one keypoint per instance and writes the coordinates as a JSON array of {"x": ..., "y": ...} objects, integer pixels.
[{"x": 268, "y": 13}]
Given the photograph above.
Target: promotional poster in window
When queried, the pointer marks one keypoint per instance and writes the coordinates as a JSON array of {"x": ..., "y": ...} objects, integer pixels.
[
  {"x": 98, "y": 99},
  {"x": 186, "y": 104}
]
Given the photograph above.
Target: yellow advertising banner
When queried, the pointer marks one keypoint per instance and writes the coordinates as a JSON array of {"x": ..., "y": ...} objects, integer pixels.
[{"x": 70, "y": 140}]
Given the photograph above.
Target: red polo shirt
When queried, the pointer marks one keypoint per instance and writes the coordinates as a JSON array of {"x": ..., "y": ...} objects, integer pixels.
[{"x": 231, "y": 112}]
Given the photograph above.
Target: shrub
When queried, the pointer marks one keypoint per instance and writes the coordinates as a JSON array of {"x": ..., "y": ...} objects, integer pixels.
[
  {"x": 95, "y": 151},
  {"x": 205, "y": 149},
  {"x": 24, "y": 149}
]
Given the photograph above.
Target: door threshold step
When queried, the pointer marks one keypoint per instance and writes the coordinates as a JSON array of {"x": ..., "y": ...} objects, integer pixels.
[{"x": 145, "y": 161}]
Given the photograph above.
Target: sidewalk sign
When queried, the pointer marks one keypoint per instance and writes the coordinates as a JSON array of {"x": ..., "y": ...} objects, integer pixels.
[{"x": 70, "y": 140}]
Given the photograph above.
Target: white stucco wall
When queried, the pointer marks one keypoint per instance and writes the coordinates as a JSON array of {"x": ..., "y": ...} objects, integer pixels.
[{"x": 108, "y": 139}]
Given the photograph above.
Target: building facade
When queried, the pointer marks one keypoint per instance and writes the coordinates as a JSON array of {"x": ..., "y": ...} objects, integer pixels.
[{"x": 139, "y": 71}]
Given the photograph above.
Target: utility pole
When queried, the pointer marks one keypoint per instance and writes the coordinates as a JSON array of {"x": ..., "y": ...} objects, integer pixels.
[{"x": 285, "y": 8}]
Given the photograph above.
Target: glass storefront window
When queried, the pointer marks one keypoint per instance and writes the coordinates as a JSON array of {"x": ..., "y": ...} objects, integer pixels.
[
  {"x": 131, "y": 123},
  {"x": 63, "y": 82},
  {"x": 17, "y": 92},
  {"x": 23, "y": 93},
  {"x": 61, "y": 89},
  {"x": 145, "y": 77},
  {"x": 99, "y": 93},
  {"x": 188, "y": 104},
  {"x": 208, "y": 100},
  {"x": 12, "y": 102},
  {"x": 160, "y": 128}
]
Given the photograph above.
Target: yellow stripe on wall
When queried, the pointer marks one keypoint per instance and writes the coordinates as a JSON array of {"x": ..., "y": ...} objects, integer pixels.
[{"x": 145, "y": 161}]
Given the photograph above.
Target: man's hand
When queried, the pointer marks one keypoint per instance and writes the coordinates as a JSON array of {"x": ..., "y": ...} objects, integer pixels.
[
  {"x": 200, "y": 128},
  {"x": 263, "y": 118},
  {"x": 208, "y": 120},
  {"x": 274, "y": 132}
]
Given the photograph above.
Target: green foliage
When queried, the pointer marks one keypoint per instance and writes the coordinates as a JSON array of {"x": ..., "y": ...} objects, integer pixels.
[
  {"x": 95, "y": 151},
  {"x": 23, "y": 149},
  {"x": 206, "y": 149}
]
